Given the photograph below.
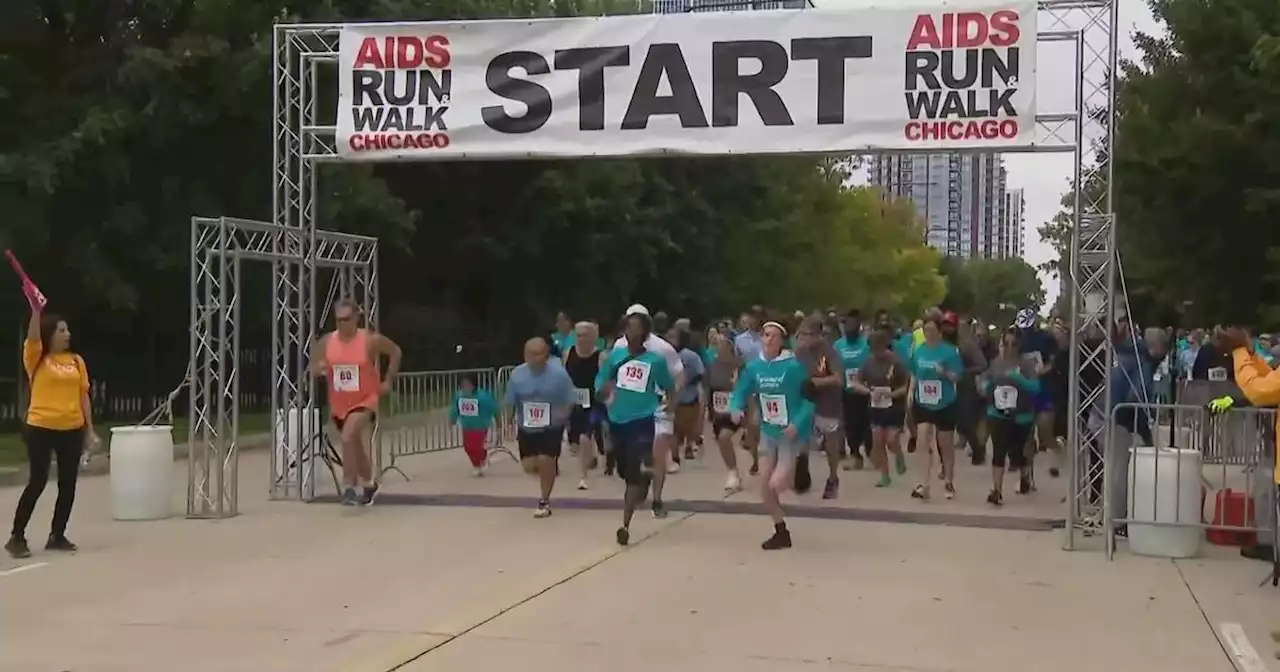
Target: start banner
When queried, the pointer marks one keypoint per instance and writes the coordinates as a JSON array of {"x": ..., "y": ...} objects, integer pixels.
[{"x": 921, "y": 78}]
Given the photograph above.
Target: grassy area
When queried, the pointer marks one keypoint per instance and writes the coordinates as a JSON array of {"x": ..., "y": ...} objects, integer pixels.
[{"x": 14, "y": 452}]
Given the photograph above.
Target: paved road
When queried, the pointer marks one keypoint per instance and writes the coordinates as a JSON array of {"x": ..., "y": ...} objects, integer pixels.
[{"x": 415, "y": 587}]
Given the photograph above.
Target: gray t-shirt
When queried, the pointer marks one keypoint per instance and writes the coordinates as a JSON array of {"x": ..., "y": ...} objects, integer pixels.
[
  {"x": 887, "y": 371},
  {"x": 820, "y": 361},
  {"x": 997, "y": 376}
]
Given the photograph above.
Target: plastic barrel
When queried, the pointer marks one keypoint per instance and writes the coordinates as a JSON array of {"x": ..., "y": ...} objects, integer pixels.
[
  {"x": 1166, "y": 489},
  {"x": 141, "y": 472}
]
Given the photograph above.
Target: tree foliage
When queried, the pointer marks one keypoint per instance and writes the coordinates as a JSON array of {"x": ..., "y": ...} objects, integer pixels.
[
  {"x": 991, "y": 289},
  {"x": 1197, "y": 165}
]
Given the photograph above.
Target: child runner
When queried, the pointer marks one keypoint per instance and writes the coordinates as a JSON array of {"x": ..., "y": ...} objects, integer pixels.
[
  {"x": 776, "y": 381},
  {"x": 1010, "y": 386},
  {"x": 884, "y": 380},
  {"x": 722, "y": 374},
  {"x": 628, "y": 383},
  {"x": 473, "y": 410}
]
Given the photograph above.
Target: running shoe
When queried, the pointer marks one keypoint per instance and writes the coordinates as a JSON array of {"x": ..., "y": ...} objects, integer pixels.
[
  {"x": 659, "y": 509},
  {"x": 733, "y": 483},
  {"x": 370, "y": 494},
  {"x": 832, "y": 489},
  {"x": 582, "y": 484},
  {"x": 60, "y": 543},
  {"x": 900, "y": 464},
  {"x": 755, "y": 469},
  {"x": 950, "y": 489},
  {"x": 477, "y": 472},
  {"x": 884, "y": 481},
  {"x": 920, "y": 492},
  {"x": 623, "y": 536},
  {"x": 1024, "y": 485},
  {"x": 994, "y": 498},
  {"x": 543, "y": 510},
  {"x": 349, "y": 497},
  {"x": 688, "y": 453},
  {"x": 781, "y": 539},
  {"x": 673, "y": 467},
  {"x": 911, "y": 445},
  {"x": 17, "y": 548}
]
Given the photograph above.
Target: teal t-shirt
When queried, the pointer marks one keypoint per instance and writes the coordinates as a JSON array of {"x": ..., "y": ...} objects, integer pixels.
[
  {"x": 902, "y": 346},
  {"x": 933, "y": 390},
  {"x": 473, "y": 410},
  {"x": 853, "y": 352},
  {"x": 778, "y": 385},
  {"x": 636, "y": 384}
]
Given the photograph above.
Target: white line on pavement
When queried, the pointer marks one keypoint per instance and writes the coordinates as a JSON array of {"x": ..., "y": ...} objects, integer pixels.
[
  {"x": 1243, "y": 654},
  {"x": 23, "y": 568}
]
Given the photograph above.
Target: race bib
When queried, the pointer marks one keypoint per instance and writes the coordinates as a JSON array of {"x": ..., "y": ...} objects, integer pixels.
[
  {"x": 1217, "y": 374},
  {"x": 634, "y": 376},
  {"x": 850, "y": 375},
  {"x": 1006, "y": 397},
  {"x": 880, "y": 397},
  {"x": 346, "y": 378},
  {"x": 469, "y": 407},
  {"x": 930, "y": 392},
  {"x": 584, "y": 397},
  {"x": 773, "y": 409},
  {"x": 536, "y": 414},
  {"x": 720, "y": 402}
]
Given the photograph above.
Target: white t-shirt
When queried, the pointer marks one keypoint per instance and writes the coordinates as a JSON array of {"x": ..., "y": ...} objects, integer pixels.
[{"x": 658, "y": 346}]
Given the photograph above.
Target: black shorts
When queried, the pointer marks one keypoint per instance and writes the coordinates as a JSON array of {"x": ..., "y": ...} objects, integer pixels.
[
  {"x": 539, "y": 444},
  {"x": 583, "y": 421},
  {"x": 893, "y": 417},
  {"x": 339, "y": 422},
  {"x": 722, "y": 423},
  {"x": 943, "y": 418},
  {"x": 633, "y": 449}
]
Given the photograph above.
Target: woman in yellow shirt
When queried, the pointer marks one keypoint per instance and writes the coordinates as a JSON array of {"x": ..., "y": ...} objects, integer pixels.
[{"x": 59, "y": 423}]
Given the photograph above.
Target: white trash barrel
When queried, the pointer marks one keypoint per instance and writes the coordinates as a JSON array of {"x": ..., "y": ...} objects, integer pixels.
[
  {"x": 1166, "y": 489},
  {"x": 141, "y": 472}
]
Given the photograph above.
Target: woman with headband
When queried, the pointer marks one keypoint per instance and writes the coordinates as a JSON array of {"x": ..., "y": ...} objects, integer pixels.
[{"x": 776, "y": 382}]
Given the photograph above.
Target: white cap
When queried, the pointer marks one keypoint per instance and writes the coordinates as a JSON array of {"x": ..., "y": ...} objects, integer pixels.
[{"x": 636, "y": 309}]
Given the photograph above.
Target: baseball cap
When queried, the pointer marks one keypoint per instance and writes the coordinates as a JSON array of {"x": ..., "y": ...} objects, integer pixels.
[
  {"x": 636, "y": 309},
  {"x": 950, "y": 318}
]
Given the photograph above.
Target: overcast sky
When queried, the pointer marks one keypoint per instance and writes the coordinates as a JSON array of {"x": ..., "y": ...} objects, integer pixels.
[{"x": 1046, "y": 177}]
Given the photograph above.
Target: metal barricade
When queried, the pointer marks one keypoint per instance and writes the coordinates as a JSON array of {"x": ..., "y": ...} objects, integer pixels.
[
  {"x": 1150, "y": 478},
  {"x": 507, "y": 417},
  {"x": 1220, "y": 446},
  {"x": 418, "y": 414}
]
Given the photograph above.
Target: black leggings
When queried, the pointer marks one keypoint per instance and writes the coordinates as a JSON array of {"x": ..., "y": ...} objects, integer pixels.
[
  {"x": 42, "y": 444},
  {"x": 857, "y": 422},
  {"x": 1008, "y": 439}
]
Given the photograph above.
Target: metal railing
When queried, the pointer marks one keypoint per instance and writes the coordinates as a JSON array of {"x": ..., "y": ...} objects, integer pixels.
[
  {"x": 418, "y": 414},
  {"x": 1166, "y": 462},
  {"x": 1220, "y": 447}
]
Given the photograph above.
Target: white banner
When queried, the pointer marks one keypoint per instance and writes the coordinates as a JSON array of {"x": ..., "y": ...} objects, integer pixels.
[{"x": 912, "y": 78}]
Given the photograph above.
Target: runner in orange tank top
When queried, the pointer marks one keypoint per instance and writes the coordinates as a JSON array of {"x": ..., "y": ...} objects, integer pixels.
[{"x": 348, "y": 359}]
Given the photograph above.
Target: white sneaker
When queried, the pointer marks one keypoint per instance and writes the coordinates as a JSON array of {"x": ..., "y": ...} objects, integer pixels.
[
  {"x": 582, "y": 484},
  {"x": 542, "y": 511},
  {"x": 734, "y": 483},
  {"x": 673, "y": 467},
  {"x": 477, "y": 472}
]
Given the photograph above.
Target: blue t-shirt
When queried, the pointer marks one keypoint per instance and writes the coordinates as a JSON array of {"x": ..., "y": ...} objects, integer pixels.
[
  {"x": 853, "y": 352},
  {"x": 693, "y": 375},
  {"x": 549, "y": 391},
  {"x": 929, "y": 363}
]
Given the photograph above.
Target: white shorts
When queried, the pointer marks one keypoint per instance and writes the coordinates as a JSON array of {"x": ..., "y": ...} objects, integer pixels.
[{"x": 662, "y": 424}]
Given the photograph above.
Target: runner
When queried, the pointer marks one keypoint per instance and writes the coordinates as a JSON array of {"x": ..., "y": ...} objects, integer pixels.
[
  {"x": 1040, "y": 347},
  {"x": 883, "y": 379},
  {"x": 543, "y": 397},
  {"x": 857, "y": 420},
  {"x": 582, "y": 363},
  {"x": 1010, "y": 386},
  {"x": 59, "y": 424},
  {"x": 935, "y": 369},
  {"x": 663, "y": 428},
  {"x": 825, "y": 370},
  {"x": 348, "y": 358},
  {"x": 969, "y": 409},
  {"x": 689, "y": 399},
  {"x": 748, "y": 346},
  {"x": 722, "y": 375},
  {"x": 563, "y": 337},
  {"x": 775, "y": 381},
  {"x": 631, "y": 382},
  {"x": 473, "y": 411}
]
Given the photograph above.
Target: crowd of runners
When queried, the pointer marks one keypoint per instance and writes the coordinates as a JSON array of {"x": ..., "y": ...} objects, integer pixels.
[{"x": 782, "y": 390}]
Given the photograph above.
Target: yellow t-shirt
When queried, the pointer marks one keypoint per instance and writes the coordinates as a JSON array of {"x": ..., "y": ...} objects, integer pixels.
[
  {"x": 917, "y": 337},
  {"x": 56, "y": 387}
]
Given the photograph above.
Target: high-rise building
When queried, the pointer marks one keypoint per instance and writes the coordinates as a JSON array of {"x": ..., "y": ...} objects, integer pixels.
[
  {"x": 1013, "y": 226},
  {"x": 676, "y": 6},
  {"x": 960, "y": 198}
]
